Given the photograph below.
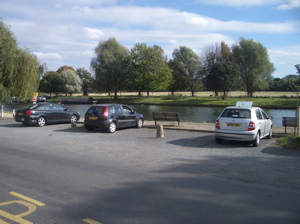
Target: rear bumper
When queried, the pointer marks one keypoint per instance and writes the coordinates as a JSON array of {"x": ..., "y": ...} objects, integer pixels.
[
  {"x": 26, "y": 119},
  {"x": 238, "y": 136},
  {"x": 97, "y": 124}
]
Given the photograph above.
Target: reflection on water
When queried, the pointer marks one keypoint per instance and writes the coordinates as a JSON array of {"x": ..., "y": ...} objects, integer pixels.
[{"x": 187, "y": 113}]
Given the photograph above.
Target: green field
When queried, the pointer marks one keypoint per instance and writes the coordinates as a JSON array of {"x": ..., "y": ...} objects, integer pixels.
[{"x": 181, "y": 100}]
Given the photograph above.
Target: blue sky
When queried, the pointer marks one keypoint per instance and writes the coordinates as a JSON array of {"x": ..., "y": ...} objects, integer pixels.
[{"x": 66, "y": 32}]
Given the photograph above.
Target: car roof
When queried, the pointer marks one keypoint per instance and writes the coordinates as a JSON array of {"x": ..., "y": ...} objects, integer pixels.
[
  {"x": 106, "y": 104},
  {"x": 236, "y": 107}
]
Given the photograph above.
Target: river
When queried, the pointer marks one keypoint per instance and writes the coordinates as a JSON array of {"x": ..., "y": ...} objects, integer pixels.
[{"x": 187, "y": 113}]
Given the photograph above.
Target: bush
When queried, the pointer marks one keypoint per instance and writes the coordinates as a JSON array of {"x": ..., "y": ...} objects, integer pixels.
[
  {"x": 173, "y": 97},
  {"x": 289, "y": 142}
]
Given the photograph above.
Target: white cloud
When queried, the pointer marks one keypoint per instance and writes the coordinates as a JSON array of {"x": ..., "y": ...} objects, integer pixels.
[
  {"x": 281, "y": 4},
  {"x": 93, "y": 33},
  {"x": 290, "y": 4},
  {"x": 285, "y": 59},
  {"x": 241, "y": 3},
  {"x": 48, "y": 56}
]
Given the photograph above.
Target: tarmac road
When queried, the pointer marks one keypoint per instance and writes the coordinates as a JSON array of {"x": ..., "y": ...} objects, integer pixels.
[{"x": 131, "y": 176}]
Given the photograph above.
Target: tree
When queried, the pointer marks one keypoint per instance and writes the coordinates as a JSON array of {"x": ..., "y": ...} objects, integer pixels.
[
  {"x": 20, "y": 71},
  {"x": 109, "y": 66},
  {"x": 69, "y": 82},
  {"x": 255, "y": 66},
  {"x": 178, "y": 83},
  {"x": 224, "y": 77},
  {"x": 149, "y": 68},
  {"x": 187, "y": 64},
  {"x": 87, "y": 81},
  {"x": 50, "y": 83},
  {"x": 221, "y": 73}
]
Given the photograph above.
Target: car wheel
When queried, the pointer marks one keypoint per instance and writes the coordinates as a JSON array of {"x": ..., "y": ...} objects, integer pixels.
[
  {"x": 139, "y": 123},
  {"x": 255, "y": 143},
  {"x": 270, "y": 135},
  {"x": 89, "y": 128},
  {"x": 73, "y": 119},
  {"x": 219, "y": 140},
  {"x": 41, "y": 121},
  {"x": 112, "y": 127}
]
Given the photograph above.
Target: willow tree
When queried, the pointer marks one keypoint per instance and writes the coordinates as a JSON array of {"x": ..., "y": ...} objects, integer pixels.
[
  {"x": 255, "y": 66},
  {"x": 20, "y": 70}
]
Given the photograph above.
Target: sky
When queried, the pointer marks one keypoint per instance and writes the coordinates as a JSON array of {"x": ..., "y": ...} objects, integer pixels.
[{"x": 66, "y": 32}]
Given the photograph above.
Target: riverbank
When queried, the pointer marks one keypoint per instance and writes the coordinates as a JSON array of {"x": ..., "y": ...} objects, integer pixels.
[{"x": 266, "y": 102}]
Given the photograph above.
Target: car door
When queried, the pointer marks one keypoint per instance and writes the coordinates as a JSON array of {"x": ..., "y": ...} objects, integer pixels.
[
  {"x": 117, "y": 114},
  {"x": 50, "y": 112},
  {"x": 267, "y": 121},
  {"x": 260, "y": 122},
  {"x": 130, "y": 117},
  {"x": 62, "y": 113}
]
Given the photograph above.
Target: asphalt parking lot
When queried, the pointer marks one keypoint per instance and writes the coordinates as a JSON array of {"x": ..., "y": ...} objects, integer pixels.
[{"x": 257, "y": 183}]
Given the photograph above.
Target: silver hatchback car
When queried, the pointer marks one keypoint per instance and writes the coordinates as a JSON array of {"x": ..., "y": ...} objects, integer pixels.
[{"x": 243, "y": 123}]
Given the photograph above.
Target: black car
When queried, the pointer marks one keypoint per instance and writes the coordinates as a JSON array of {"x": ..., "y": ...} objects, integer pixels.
[
  {"x": 46, "y": 113},
  {"x": 111, "y": 117}
]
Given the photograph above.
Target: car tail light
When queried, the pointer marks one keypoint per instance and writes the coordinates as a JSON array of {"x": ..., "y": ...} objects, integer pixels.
[
  {"x": 218, "y": 124},
  {"x": 251, "y": 126},
  {"x": 29, "y": 112},
  {"x": 105, "y": 112}
]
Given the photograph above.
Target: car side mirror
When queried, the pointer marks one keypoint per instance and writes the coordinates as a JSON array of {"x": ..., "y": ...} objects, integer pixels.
[{"x": 66, "y": 109}]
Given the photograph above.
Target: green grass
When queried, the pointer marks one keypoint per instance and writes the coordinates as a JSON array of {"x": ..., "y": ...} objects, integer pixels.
[
  {"x": 180, "y": 100},
  {"x": 289, "y": 142}
]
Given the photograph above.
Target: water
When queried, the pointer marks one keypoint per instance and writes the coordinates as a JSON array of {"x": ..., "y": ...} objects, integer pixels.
[{"x": 187, "y": 113}]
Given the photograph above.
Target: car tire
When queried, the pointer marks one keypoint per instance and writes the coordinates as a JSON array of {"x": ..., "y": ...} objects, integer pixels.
[
  {"x": 255, "y": 143},
  {"x": 89, "y": 128},
  {"x": 270, "y": 135},
  {"x": 219, "y": 140},
  {"x": 112, "y": 127},
  {"x": 41, "y": 121},
  {"x": 139, "y": 123},
  {"x": 73, "y": 119}
]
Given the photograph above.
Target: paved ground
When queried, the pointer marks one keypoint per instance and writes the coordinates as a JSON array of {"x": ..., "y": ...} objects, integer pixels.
[{"x": 131, "y": 176}]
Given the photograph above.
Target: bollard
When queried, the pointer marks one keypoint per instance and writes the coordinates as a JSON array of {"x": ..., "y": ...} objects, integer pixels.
[
  {"x": 2, "y": 112},
  {"x": 73, "y": 125},
  {"x": 160, "y": 131}
]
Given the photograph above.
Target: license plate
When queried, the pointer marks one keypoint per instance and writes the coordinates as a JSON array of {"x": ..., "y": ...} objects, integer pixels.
[
  {"x": 21, "y": 113},
  {"x": 233, "y": 125},
  {"x": 22, "y": 119},
  {"x": 93, "y": 118}
]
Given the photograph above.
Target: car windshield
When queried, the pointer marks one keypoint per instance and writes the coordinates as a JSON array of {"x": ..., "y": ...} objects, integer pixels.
[
  {"x": 236, "y": 113},
  {"x": 95, "y": 110}
]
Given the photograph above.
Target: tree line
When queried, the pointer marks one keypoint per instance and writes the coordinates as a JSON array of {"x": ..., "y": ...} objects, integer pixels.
[
  {"x": 245, "y": 66},
  {"x": 220, "y": 68}
]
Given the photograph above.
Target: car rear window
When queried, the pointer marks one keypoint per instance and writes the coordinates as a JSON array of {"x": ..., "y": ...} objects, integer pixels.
[
  {"x": 95, "y": 110},
  {"x": 237, "y": 113}
]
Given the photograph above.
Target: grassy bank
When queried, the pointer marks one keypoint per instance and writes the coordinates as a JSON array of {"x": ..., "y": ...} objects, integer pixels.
[{"x": 180, "y": 100}]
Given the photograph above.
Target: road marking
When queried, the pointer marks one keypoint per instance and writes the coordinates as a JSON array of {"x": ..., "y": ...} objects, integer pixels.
[
  {"x": 27, "y": 198},
  {"x": 18, "y": 218},
  {"x": 90, "y": 221}
]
